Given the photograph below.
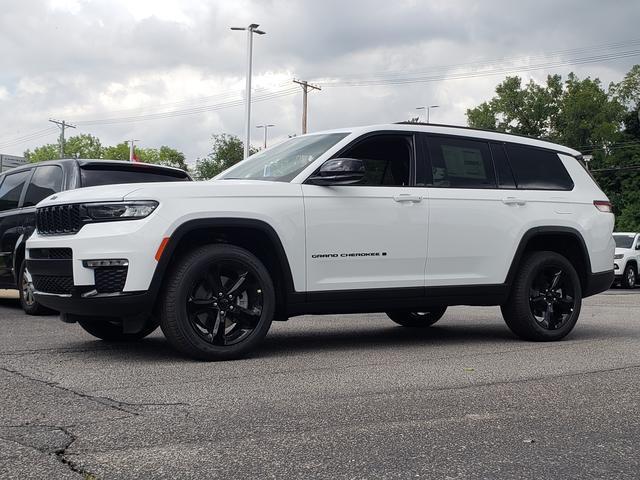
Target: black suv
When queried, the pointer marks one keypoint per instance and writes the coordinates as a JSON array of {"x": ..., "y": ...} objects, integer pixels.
[{"x": 23, "y": 187}]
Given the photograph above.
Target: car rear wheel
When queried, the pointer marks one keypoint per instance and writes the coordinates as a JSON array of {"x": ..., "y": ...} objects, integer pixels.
[
  {"x": 417, "y": 319},
  {"x": 630, "y": 276},
  {"x": 110, "y": 330},
  {"x": 218, "y": 303},
  {"x": 26, "y": 289},
  {"x": 545, "y": 299}
]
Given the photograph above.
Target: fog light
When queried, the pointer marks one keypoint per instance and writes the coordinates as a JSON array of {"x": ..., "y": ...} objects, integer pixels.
[{"x": 107, "y": 262}]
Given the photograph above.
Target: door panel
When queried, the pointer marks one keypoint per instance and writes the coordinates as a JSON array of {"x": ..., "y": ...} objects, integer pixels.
[{"x": 362, "y": 237}]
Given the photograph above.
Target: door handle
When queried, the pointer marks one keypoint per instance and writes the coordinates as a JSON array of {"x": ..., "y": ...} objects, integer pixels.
[
  {"x": 513, "y": 201},
  {"x": 406, "y": 197}
]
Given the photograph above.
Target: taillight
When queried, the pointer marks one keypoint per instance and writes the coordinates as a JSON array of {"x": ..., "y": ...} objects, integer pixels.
[{"x": 603, "y": 206}]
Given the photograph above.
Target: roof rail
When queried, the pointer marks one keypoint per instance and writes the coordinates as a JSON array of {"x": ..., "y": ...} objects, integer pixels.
[{"x": 474, "y": 128}]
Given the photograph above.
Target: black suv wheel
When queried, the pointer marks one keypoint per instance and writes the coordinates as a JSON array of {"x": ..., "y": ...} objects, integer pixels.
[
  {"x": 218, "y": 303},
  {"x": 545, "y": 299},
  {"x": 417, "y": 319},
  {"x": 110, "y": 330}
]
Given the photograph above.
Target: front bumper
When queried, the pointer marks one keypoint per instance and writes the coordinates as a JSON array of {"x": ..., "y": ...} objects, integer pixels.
[{"x": 120, "y": 306}]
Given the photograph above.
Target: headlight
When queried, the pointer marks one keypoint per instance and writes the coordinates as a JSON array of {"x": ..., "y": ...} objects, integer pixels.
[
  {"x": 103, "y": 212},
  {"x": 618, "y": 256}
]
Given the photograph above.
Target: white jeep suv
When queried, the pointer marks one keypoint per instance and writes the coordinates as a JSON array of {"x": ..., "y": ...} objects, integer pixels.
[
  {"x": 405, "y": 219},
  {"x": 627, "y": 258}
]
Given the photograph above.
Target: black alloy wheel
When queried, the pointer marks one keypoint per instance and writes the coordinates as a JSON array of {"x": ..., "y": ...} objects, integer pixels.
[
  {"x": 545, "y": 298},
  {"x": 552, "y": 298},
  {"x": 225, "y": 304},
  {"x": 218, "y": 303}
]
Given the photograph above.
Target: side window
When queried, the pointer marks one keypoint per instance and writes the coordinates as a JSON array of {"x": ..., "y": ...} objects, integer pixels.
[
  {"x": 503, "y": 170},
  {"x": 538, "y": 169},
  {"x": 46, "y": 181},
  {"x": 460, "y": 163},
  {"x": 11, "y": 189},
  {"x": 387, "y": 159}
]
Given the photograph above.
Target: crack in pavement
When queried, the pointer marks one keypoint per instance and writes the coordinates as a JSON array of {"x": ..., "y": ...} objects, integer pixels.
[{"x": 105, "y": 401}]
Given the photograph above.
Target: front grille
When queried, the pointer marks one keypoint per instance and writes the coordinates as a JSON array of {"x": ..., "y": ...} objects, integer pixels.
[
  {"x": 50, "y": 253},
  {"x": 53, "y": 284},
  {"x": 58, "y": 220},
  {"x": 110, "y": 279}
]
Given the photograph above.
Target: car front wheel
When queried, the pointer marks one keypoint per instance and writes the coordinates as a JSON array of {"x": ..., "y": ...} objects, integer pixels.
[
  {"x": 25, "y": 290},
  {"x": 545, "y": 298},
  {"x": 417, "y": 319},
  {"x": 218, "y": 303},
  {"x": 629, "y": 277}
]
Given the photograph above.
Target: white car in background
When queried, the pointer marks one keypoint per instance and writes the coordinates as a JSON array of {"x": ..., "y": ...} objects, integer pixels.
[{"x": 627, "y": 258}]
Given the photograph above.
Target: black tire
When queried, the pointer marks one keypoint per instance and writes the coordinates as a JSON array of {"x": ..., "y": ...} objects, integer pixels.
[
  {"x": 629, "y": 277},
  {"x": 218, "y": 303},
  {"x": 110, "y": 330},
  {"x": 417, "y": 319},
  {"x": 545, "y": 299},
  {"x": 25, "y": 290}
]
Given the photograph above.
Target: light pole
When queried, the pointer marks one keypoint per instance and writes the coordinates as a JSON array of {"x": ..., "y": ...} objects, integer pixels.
[
  {"x": 251, "y": 29},
  {"x": 266, "y": 127},
  {"x": 427, "y": 109}
]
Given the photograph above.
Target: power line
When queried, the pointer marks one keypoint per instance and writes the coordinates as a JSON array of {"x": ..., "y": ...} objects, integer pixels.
[{"x": 420, "y": 78}]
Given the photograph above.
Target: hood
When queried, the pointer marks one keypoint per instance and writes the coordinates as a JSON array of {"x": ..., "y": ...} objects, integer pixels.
[
  {"x": 106, "y": 193},
  {"x": 623, "y": 251},
  {"x": 169, "y": 190}
]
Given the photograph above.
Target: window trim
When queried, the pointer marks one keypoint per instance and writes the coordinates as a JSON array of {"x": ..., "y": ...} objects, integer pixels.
[
  {"x": 429, "y": 163},
  {"x": 409, "y": 135},
  {"x": 24, "y": 193},
  {"x": 495, "y": 169}
]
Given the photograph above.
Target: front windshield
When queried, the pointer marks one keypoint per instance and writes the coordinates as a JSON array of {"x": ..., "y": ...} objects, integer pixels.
[
  {"x": 283, "y": 162},
  {"x": 624, "y": 241}
]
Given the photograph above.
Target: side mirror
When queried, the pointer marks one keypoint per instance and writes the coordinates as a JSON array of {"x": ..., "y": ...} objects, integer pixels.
[{"x": 339, "y": 171}]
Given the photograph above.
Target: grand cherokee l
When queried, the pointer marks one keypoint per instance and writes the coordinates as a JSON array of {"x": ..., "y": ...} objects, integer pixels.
[{"x": 405, "y": 219}]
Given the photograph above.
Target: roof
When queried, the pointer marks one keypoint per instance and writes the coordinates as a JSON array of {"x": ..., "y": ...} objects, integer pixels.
[
  {"x": 90, "y": 162},
  {"x": 461, "y": 132}
]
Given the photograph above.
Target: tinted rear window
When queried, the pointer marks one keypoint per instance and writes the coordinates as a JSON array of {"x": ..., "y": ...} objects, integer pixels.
[
  {"x": 538, "y": 169},
  {"x": 46, "y": 181},
  {"x": 92, "y": 177}
]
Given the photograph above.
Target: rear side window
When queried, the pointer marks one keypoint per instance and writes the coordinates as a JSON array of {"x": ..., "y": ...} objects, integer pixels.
[
  {"x": 46, "y": 181},
  {"x": 92, "y": 177},
  {"x": 537, "y": 169},
  {"x": 459, "y": 163},
  {"x": 503, "y": 170},
  {"x": 11, "y": 189}
]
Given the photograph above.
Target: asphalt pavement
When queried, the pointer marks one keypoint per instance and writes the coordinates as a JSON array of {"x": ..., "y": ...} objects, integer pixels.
[{"x": 341, "y": 396}]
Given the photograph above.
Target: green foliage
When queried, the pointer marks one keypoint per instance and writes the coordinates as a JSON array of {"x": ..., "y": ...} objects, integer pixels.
[
  {"x": 163, "y": 156},
  {"x": 88, "y": 146},
  {"x": 226, "y": 151},
  {"x": 50, "y": 151},
  {"x": 583, "y": 115}
]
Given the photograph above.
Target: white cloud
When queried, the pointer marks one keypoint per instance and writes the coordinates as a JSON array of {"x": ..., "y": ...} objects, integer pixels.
[{"x": 99, "y": 59}]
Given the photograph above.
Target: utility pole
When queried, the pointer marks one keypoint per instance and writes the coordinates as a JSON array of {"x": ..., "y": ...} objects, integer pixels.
[
  {"x": 427, "y": 109},
  {"x": 62, "y": 124},
  {"x": 266, "y": 127},
  {"x": 251, "y": 29},
  {"x": 305, "y": 88},
  {"x": 131, "y": 148}
]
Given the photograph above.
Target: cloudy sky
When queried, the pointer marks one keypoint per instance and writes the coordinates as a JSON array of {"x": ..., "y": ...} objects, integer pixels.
[{"x": 170, "y": 72}]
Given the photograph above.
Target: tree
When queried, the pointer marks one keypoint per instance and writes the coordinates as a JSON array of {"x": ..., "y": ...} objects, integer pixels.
[
  {"x": 583, "y": 115},
  {"x": 226, "y": 151},
  {"x": 50, "y": 151},
  {"x": 163, "y": 156},
  {"x": 116, "y": 152},
  {"x": 83, "y": 146}
]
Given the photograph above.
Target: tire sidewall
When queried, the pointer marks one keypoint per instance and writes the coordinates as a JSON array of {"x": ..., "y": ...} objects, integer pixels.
[
  {"x": 625, "y": 279},
  {"x": 35, "y": 308}
]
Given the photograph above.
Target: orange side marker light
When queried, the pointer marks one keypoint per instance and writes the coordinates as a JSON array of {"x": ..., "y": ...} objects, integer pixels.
[{"x": 161, "y": 248}]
